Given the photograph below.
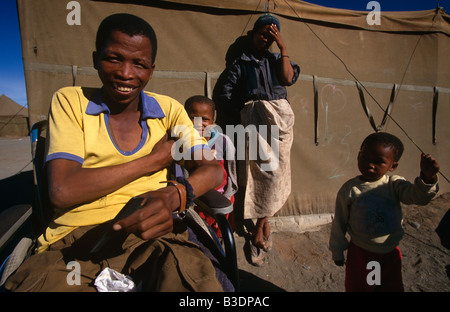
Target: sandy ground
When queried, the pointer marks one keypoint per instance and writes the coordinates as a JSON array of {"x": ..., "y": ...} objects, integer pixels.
[
  {"x": 302, "y": 262},
  {"x": 15, "y": 156},
  {"x": 299, "y": 262}
]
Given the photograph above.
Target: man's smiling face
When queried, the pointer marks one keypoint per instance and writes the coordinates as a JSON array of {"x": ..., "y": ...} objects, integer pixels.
[{"x": 124, "y": 66}]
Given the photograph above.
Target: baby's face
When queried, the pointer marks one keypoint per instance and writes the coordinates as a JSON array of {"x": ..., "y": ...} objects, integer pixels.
[
  {"x": 375, "y": 160},
  {"x": 202, "y": 116}
]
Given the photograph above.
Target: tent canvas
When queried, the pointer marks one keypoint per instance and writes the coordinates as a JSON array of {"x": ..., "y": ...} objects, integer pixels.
[
  {"x": 408, "y": 50},
  {"x": 13, "y": 118}
]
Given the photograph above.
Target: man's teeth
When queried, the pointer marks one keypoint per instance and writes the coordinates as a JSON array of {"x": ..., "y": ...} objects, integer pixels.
[{"x": 124, "y": 89}]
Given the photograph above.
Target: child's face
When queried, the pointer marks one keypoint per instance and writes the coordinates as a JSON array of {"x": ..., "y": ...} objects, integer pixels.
[
  {"x": 375, "y": 160},
  {"x": 202, "y": 116},
  {"x": 124, "y": 66}
]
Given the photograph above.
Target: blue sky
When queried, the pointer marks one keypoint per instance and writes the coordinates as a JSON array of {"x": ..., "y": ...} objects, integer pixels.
[
  {"x": 386, "y": 5},
  {"x": 12, "y": 81}
]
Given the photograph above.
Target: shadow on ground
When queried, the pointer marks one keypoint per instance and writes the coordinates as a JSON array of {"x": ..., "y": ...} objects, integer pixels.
[
  {"x": 252, "y": 283},
  {"x": 17, "y": 189}
]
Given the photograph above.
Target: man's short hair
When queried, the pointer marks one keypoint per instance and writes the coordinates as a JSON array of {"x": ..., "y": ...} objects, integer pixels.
[
  {"x": 385, "y": 139},
  {"x": 128, "y": 24}
]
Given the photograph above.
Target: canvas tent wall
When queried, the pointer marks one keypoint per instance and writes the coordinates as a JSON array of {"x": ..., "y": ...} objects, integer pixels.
[
  {"x": 408, "y": 49},
  {"x": 13, "y": 118}
]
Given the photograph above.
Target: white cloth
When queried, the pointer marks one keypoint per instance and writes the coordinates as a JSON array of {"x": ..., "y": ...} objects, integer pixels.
[{"x": 269, "y": 130}]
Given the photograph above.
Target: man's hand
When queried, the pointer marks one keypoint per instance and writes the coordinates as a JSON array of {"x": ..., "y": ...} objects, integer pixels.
[
  {"x": 163, "y": 152},
  {"x": 154, "y": 219},
  {"x": 276, "y": 35}
]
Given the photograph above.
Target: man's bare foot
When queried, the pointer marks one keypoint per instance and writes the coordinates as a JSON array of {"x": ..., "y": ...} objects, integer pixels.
[
  {"x": 258, "y": 237},
  {"x": 267, "y": 237}
]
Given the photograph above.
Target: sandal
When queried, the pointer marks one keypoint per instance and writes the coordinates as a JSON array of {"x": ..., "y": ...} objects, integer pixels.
[{"x": 256, "y": 255}]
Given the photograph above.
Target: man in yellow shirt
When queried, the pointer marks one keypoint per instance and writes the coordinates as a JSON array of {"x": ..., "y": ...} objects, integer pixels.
[{"x": 106, "y": 146}]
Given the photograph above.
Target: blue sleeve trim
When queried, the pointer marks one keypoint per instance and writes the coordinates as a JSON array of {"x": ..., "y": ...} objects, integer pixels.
[
  {"x": 199, "y": 147},
  {"x": 62, "y": 155}
]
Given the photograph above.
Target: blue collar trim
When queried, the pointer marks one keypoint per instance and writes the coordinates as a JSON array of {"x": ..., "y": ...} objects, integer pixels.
[{"x": 150, "y": 106}]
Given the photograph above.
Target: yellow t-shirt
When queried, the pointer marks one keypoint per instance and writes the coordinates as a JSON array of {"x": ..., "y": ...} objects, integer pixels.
[{"x": 78, "y": 131}]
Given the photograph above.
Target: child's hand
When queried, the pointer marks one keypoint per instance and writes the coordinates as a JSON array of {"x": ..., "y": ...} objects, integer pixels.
[
  {"x": 429, "y": 168},
  {"x": 339, "y": 262}
]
